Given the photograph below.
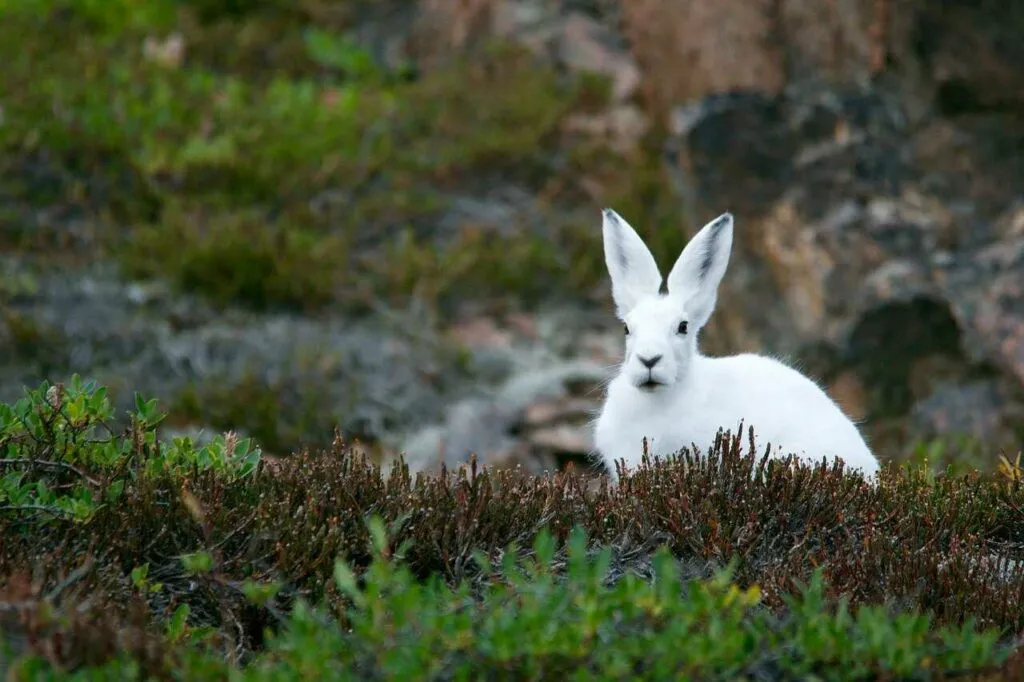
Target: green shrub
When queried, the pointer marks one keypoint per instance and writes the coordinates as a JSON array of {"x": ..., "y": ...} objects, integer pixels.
[
  {"x": 137, "y": 537},
  {"x": 526, "y": 622},
  {"x": 204, "y": 170},
  {"x": 59, "y": 456}
]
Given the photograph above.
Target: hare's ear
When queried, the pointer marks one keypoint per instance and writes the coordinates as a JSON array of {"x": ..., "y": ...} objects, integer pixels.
[
  {"x": 632, "y": 268},
  {"x": 700, "y": 267}
]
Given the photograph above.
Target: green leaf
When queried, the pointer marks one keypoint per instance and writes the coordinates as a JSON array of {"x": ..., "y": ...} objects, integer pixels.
[
  {"x": 378, "y": 535},
  {"x": 139, "y": 574},
  {"x": 259, "y": 593},
  {"x": 197, "y": 562},
  {"x": 178, "y": 622},
  {"x": 345, "y": 579}
]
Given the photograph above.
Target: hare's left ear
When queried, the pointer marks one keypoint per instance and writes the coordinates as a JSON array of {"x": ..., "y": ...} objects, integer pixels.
[
  {"x": 631, "y": 266},
  {"x": 700, "y": 267}
]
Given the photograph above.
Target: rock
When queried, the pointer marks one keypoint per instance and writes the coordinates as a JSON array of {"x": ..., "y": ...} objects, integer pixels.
[
  {"x": 366, "y": 377},
  {"x": 687, "y": 49},
  {"x": 576, "y": 37},
  {"x": 986, "y": 291},
  {"x": 563, "y": 439},
  {"x": 842, "y": 253},
  {"x": 587, "y": 45},
  {"x": 848, "y": 391},
  {"x": 983, "y": 411},
  {"x": 492, "y": 426},
  {"x": 622, "y": 126},
  {"x": 1010, "y": 225},
  {"x": 570, "y": 38},
  {"x": 536, "y": 412},
  {"x": 803, "y": 225},
  {"x": 479, "y": 332},
  {"x": 546, "y": 413},
  {"x": 929, "y": 373},
  {"x": 962, "y": 57},
  {"x": 972, "y": 52},
  {"x": 503, "y": 209}
]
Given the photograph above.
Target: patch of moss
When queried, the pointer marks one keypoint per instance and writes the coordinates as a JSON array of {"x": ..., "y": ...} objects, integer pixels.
[
  {"x": 954, "y": 454},
  {"x": 239, "y": 255},
  {"x": 436, "y": 134},
  {"x": 32, "y": 342},
  {"x": 639, "y": 187},
  {"x": 238, "y": 158},
  {"x": 62, "y": 202},
  {"x": 255, "y": 407},
  {"x": 481, "y": 264}
]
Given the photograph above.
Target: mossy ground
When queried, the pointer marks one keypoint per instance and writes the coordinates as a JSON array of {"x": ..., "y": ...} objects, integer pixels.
[
  {"x": 267, "y": 160},
  {"x": 275, "y": 163}
]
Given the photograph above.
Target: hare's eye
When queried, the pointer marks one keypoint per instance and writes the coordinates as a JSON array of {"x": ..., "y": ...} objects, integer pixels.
[
  {"x": 625, "y": 328},
  {"x": 682, "y": 327}
]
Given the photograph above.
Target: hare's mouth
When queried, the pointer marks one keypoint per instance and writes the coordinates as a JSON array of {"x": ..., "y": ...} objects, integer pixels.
[{"x": 649, "y": 385}]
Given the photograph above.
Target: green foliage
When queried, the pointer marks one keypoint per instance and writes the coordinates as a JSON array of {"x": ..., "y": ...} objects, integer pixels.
[
  {"x": 59, "y": 455},
  {"x": 210, "y": 563},
  {"x": 112, "y": 19},
  {"x": 221, "y": 159},
  {"x": 256, "y": 407},
  {"x": 533, "y": 624},
  {"x": 32, "y": 340},
  {"x": 197, "y": 562},
  {"x": 953, "y": 455},
  {"x": 240, "y": 256},
  {"x": 342, "y": 55}
]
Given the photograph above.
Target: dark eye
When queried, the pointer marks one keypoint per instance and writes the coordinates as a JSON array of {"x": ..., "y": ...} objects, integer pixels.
[
  {"x": 682, "y": 328},
  {"x": 625, "y": 328}
]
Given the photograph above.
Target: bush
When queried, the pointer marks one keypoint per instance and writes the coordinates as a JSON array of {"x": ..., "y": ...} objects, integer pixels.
[
  {"x": 124, "y": 551},
  {"x": 529, "y": 624},
  {"x": 267, "y": 159}
]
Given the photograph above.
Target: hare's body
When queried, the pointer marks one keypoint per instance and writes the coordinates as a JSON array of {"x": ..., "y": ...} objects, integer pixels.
[
  {"x": 670, "y": 394},
  {"x": 776, "y": 406}
]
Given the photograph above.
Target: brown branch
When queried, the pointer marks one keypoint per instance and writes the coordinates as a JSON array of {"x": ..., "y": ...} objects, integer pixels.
[
  {"x": 56, "y": 511},
  {"x": 50, "y": 464}
]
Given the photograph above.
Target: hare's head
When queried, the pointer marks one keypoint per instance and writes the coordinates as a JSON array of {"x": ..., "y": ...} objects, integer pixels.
[{"x": 661, "y": 325}]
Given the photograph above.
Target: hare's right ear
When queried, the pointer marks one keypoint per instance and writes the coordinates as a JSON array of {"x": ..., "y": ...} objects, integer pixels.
[
  {"x": 631, "y": 266},
  {"x": 700, "y": 267}
]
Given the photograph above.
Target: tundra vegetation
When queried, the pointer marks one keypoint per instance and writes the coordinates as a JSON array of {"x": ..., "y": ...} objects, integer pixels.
[{"x": 127, "y": 554}]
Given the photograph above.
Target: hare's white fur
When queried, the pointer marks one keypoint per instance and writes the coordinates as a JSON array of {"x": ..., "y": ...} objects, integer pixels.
[{"x": 683, "y": 398}]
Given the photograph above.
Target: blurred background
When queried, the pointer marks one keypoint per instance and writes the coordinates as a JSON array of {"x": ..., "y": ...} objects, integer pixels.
[{"x": 383, "y": 216}]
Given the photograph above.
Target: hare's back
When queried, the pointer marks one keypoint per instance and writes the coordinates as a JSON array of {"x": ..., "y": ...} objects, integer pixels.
[{"x": 786, "y": 408}]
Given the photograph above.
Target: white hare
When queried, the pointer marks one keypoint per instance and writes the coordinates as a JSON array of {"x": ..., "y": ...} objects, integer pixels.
[{"x": 669, "y": 393}]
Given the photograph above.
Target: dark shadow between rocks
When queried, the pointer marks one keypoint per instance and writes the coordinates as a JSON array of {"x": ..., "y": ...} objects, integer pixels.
[{"x": 886, "y": 342}]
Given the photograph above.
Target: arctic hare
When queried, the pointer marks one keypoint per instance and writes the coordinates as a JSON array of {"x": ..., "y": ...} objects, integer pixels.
[{"x": 669, "y": 393}]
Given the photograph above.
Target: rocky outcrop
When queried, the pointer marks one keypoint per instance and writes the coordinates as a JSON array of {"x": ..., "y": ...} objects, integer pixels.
[
  {"x": 879, "y": 242},
  {"x": 537, "y": 413},
  {"x": 848, "y": 261},
  {"x": 293, "y": 378},
  {"x": 878, "y": 245}
]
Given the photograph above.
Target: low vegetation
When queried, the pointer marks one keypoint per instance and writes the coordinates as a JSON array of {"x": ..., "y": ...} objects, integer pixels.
[
  {"x": 256, "y": 155},
  {"x": 259, "y": 156},
  {"x": 125, "y": 554}
]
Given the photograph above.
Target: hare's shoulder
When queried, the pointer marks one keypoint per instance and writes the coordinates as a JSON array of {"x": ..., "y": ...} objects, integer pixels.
[{"x": 759, "y": 374}]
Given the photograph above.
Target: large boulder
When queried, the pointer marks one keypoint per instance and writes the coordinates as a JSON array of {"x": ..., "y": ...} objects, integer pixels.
[{"x": 906, "y": 301}]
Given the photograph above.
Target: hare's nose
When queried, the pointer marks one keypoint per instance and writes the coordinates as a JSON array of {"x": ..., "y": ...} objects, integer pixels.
[{"x": 649, "y": 363}]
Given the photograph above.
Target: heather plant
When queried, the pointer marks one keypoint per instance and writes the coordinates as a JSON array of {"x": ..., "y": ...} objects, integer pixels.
[
  {"x": 123, "y": 552},
  {"x": 256, "y": 155},
  {"x": 61, "y": 456},
  {"x": 555, "y": 613}
]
